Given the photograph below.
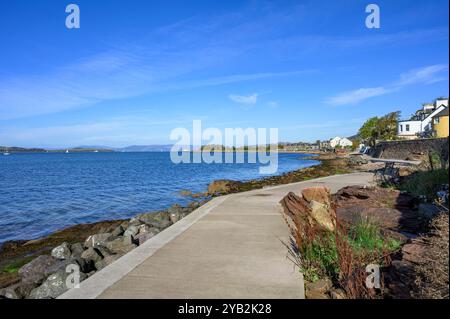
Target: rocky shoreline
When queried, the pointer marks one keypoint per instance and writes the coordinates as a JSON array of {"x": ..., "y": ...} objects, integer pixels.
[
  {"x": 45, "y": 275},
  {"x": 37, "y": 268}
]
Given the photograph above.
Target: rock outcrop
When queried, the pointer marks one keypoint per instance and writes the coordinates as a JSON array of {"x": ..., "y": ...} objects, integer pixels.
[
  {"x": 391, "y": 209},
  {"x": 222, "y": 186},
  {"x": 314, "y": 207}
]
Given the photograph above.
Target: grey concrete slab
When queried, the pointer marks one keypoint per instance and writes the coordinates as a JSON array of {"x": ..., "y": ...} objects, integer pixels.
[{"x": 232, "y": 247}]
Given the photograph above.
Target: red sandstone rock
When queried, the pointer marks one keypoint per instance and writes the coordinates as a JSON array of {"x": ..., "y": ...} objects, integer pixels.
[{"x": 319, "y": 194}]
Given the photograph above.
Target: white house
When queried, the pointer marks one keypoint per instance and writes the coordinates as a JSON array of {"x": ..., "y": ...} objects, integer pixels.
[
  {"x": 342, "y": 142},
  {"x": 335, "y": 141},
  {"x": 345, "y": 142},
  {"x": 420, "y": 123}
]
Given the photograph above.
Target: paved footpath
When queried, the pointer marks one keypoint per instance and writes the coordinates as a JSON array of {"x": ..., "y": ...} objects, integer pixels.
[{"x": 229, "y": 248}]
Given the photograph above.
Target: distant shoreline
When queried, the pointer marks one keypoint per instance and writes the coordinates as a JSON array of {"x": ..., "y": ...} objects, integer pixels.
[
  {"x": 44, "y": 151},
  {"x": 164, "y": 149}
]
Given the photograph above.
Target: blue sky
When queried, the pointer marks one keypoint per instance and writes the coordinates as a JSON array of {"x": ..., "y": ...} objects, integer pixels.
[{"x": 135, "y": 70}]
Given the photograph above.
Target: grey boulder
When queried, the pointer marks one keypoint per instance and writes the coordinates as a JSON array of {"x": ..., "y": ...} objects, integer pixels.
[
  {"x": 131, "y": 231},
  {"x": 76, "y": 249},
  {"x": 159, "y": 220},
  {"x": 176, "y": 212},
  {"x": 37, "y": 269},
  {"x": 118, "y": 231},
  {"x": 97, "y": 239},
  {"x": 53, "y": 286},
  {"x": 62, "y": 251},
  {"x": 106, "y": 261},
  {"x": 120, "y": 245},
  {"x": 91, "y": 254},
  {"x": 19, "y": 290},
  {"x": 145, "y": 233}
]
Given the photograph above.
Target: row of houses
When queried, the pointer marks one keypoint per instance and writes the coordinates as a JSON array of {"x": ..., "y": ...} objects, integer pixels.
[
  {"x": 300, "y": 146},
  {"x": 336, "y": 142},
  {"x": 429, "y": 121}
]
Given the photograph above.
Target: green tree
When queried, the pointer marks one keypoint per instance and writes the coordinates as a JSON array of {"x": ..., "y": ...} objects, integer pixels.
[
  {"x": 387, "y": 126},
  {"x": 368, "y": 131},
  {"x": 380, "y": 128}
]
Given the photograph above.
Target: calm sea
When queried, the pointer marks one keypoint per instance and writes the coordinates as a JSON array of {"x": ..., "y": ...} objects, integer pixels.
[{"x": 44, "y": 192}]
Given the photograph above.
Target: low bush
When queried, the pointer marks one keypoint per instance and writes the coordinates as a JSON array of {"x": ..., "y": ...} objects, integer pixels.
[{"x": 425, "y": 182}]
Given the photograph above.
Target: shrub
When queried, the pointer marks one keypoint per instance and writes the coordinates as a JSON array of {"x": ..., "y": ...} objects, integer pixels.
[{"x": 425, "y": 182}]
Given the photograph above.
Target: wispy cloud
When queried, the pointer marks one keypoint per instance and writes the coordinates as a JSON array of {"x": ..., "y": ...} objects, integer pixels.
[
  {"x": 237, "y": 78},
  {"x": 273, "y": 104},
  {"x": 244, "y": 99},
  {"x": 425, "y": 75},
  {"x": 356, "y": 96}
]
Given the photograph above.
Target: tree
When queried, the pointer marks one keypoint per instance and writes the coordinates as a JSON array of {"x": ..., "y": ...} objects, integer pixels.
[
  {"x": 380, "y": 128},
  {"x": 387, "y": 126},
  {"x": 368, "y": 131},
  {"x": 355, "y": 143}
]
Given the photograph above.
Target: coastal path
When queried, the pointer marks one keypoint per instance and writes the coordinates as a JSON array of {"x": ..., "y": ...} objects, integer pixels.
[{"x": 231, "y": 247}]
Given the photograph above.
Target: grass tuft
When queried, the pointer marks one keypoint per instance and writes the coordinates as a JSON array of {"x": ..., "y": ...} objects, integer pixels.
[{"x": 366, "y": 236}]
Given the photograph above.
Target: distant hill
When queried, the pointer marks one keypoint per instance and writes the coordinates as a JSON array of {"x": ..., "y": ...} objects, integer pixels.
[
  {"x": 145, "y": 148},
  {"x": 354, "y": 137},
  {"x": 95, "y": 147},
  {"x": 90, "y": 148},
  {"x": 14, "y": 149}
]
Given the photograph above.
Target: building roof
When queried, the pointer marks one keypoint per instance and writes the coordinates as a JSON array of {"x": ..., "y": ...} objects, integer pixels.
[
  {"x": 409, "y": 121},
  {"x": 444, "y": 112}
]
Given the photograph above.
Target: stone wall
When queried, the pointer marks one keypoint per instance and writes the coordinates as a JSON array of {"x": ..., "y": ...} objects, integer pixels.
[{"x": 411, "y": 149}]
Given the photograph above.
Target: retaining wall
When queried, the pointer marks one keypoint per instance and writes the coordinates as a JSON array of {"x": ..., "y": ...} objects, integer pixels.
[{"x": 410, "y": 149}]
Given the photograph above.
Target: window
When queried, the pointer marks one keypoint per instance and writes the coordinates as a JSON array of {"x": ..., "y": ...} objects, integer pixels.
[
  {"x": 407, "y": 127},
  {"x": 401, "y": 128},
  {"x": 436, "y": 120}
]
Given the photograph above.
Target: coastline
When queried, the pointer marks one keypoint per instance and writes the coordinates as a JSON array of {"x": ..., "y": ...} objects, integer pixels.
[{"x": 14, "y": 254}]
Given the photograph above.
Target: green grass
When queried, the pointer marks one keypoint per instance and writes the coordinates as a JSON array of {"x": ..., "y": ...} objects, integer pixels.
[
  {"x": 321, "y": 257},
  {"x": 366, "y": 237},
  {"x": 425, "y": 183}
]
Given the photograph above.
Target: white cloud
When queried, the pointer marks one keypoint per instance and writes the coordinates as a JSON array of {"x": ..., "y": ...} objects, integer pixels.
[
  {"x": 425, "y": 75},
  {"x": 356, "y": 96},
  {"x": 244, "y": 99}
]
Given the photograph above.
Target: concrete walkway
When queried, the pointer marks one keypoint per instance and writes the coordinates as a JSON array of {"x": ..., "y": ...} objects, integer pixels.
[{"x": 229, "y": 248}]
